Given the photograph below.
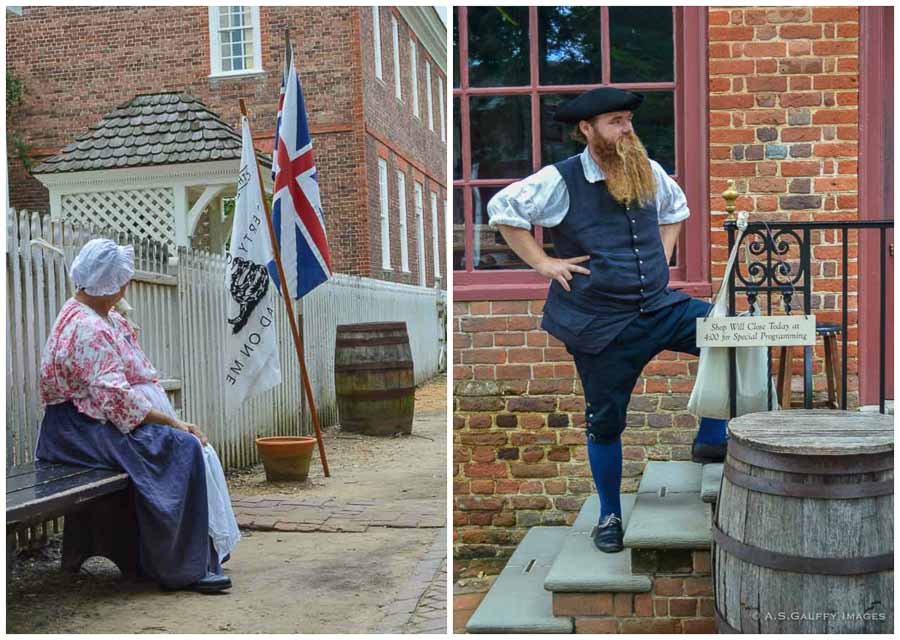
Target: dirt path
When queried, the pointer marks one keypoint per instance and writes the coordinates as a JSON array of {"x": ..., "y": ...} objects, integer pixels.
[{"x": 381, "y": 577}]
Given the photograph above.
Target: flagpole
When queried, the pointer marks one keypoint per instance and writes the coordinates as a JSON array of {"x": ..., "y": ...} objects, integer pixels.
[{"x": 285, "y": 295}]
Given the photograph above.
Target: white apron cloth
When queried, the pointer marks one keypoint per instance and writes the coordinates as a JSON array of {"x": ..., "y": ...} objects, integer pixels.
[{"x": 223, "y": 528}]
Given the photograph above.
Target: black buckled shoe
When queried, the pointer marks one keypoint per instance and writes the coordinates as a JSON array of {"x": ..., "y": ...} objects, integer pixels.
[
  {"x": 705, "y": 453},
  {"x": 608, "y": 534},
  {"x": 210, "y": 583}
]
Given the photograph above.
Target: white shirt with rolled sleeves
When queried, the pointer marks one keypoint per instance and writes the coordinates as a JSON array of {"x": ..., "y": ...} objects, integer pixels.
[{"x": 542, "y": 198}]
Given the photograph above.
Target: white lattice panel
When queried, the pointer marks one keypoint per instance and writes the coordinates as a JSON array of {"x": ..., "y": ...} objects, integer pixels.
[{"x": 149, "y": 213}]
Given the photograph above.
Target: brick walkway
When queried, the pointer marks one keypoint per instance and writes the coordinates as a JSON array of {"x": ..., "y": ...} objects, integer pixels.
[
  {"x": 421, "y": 606},
  {"x": 267, "y": 513}
]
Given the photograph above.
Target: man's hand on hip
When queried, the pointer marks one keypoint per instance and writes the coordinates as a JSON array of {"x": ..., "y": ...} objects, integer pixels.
[
  {"x": 561, "y": 270},
  {"x": 526, "y": 247}
]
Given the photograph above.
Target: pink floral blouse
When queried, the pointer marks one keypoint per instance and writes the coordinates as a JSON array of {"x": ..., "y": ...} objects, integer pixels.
[{"x": 93, "y": 363}]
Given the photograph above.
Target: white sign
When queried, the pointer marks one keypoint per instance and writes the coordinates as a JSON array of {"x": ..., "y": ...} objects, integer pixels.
[{"x": 756, "y": 331}]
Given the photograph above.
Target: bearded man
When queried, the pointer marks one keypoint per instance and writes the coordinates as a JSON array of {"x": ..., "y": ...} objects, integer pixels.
[{"x": 614, "y": 216}]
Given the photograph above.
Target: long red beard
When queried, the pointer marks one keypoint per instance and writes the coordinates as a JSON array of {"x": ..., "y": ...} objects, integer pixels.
[{"x": 629, "y": 176}]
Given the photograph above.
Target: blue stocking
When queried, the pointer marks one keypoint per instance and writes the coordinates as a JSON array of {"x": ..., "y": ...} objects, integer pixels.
[
  {"x": 712, "y": 431},
  {"x": 606, "y": 465}
]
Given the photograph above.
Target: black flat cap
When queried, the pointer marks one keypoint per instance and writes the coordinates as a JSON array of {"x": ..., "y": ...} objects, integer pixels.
[{"x": 596, "y": 101}]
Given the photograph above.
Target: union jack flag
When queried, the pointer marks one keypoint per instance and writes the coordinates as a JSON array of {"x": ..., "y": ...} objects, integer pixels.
[{"x": 296, "y": 207}]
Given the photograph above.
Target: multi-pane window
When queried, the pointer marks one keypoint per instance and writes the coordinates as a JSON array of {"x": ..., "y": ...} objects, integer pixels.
[
  {"x": 404, "y": 240},
  {"x": 441, "y": 99},
  {"x": 395, "y": 39},
  {"x": 435, "y": 235},
  {"x": 420, "y": 233},
  {"x": 385, "y": 219},
  {"x": 513, "y": 68},
  {"x": 376, "y": 35},
  {"x": 235, "y": 46},
  {"x": 414, "y": 74},
  {"x": 428, "y": 102}
]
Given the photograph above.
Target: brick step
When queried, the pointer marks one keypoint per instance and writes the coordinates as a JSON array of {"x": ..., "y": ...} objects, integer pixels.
[
  {"x": 668, "y": 512},
  {"x": 517, "y": 601},
  {"x": 580, "y": 567},
  {"x": 712, "y": 479}
]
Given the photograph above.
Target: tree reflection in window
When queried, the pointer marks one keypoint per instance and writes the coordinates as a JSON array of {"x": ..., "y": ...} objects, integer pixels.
[
  {"x": 640, "y": 44},
  {"x": 569, "y": 40},
  {"x": 498, "y": 46}
]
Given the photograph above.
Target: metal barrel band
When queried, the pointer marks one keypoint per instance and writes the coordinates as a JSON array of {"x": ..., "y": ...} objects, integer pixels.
[
  {"x": 722, "y": 624},
  {"x": 381, "y": 394},
  {"x": 801, "y": 564},
  {"x": 371, "y": 342},
  {"x": 372, "y": 326},
  {"x": 820, "y": 465},
  {"x": 373, "y": 366},
  {"x": 798, "y": 490}
]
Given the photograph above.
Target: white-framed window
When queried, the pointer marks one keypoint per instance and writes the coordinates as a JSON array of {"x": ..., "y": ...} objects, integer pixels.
[
  {"x": 395, "y": 36},
  {"x": 385, "y": 219},
  {"x": 441, "y": 99},
  {"x": 376, "y": 33},
  {"x": 404, "y": 240},
  {"x": 435, "y": 233},
  {"x": 415, "y": 76},
  {"x": 235, "y": 46},
  {"x": 428, "y": 102},
  {"x": 420, "y": 233}
]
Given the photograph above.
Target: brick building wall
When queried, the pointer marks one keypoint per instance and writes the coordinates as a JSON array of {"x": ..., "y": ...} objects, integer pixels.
[
  {"x": 783, "y": 123},
  {"x": 405, "y": 142},
  {"x": 78, "y": 63}
]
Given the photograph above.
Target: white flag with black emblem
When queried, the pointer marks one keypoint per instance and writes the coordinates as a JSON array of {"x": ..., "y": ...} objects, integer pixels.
[{"x": 251, "y": 350}]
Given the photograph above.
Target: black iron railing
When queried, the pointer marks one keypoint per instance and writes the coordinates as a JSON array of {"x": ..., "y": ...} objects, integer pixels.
[{"x": 779, "y": 260}]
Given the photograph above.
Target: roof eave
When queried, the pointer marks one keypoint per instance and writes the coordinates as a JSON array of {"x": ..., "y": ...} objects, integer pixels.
[{"x": 215, "y": 171}]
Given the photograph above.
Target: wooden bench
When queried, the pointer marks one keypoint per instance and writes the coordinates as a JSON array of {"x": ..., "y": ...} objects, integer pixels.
[{"x": 98, "y": 505}]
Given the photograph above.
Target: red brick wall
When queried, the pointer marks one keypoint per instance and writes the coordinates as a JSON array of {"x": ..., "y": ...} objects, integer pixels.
[
  {"x": 406, "y": 143},
  {"x": 784, "y": 126},
  {"x": 781, "y": 81},
  {"x": 397, "y": 162}
]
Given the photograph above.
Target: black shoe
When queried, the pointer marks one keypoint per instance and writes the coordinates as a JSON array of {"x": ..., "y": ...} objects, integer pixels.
[
  {"x": 608, "y": 534},
  {"x": 704, "y": 453},
  {"x": 210, "y": 583}
]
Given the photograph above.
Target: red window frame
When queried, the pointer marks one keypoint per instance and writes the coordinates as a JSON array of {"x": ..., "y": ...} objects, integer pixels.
[{"x": 692, "y": 273}]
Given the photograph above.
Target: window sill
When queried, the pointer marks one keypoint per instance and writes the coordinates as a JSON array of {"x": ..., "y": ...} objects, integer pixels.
[
  {"x": 237, "y": 75},
  {"x": 538, "y": 291}
]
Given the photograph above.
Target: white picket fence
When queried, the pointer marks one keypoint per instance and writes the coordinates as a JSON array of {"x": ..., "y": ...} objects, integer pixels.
[{"x": 180, "y": 310}]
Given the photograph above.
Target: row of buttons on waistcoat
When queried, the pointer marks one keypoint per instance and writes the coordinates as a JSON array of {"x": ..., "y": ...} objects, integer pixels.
[{"x": 637, "y": 252}]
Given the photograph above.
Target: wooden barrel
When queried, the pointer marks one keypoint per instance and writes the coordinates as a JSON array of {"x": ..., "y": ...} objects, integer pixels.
[
  {"x": 804, "y": 527},
  {"x": 373, "y": 378}
]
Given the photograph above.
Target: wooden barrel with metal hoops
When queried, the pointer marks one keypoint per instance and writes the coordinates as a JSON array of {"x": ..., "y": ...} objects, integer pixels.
[
  {"x": 373, "y": 378},
  {"x": 803, "y": 533}
]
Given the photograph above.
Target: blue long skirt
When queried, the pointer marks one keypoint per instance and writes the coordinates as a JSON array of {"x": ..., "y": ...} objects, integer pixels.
[{"x": 167, "y": 468}]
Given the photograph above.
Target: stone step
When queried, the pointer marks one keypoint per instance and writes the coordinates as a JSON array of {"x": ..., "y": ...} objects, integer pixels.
[
  {"x": 581, "y": 568},
  {"x": 517, "y": 601},
  {"x": 668, "y": 512},
  {"x": 676, "y": 477},
  {"x": 712, "y": 478}
]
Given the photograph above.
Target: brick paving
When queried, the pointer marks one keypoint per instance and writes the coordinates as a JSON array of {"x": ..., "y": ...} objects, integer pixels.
[
  {"x": 421, "y": 605},
  {"x": 268, "y": 513}
]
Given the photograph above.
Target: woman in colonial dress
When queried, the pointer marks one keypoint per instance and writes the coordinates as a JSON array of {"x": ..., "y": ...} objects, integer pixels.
[{"x": 105, "y": 408}]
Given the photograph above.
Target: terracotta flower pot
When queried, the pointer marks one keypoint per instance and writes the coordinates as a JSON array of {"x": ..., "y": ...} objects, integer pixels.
[{"x": 286, "y": 457}]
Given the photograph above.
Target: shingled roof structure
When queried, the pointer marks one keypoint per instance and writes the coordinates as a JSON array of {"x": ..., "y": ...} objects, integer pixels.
[{"x": 152, "y": 129}]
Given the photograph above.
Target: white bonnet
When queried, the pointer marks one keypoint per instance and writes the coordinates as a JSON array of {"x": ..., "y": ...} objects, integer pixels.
[{"x": 102, "y": 267}]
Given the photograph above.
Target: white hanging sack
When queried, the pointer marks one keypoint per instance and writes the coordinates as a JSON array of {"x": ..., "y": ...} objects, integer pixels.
[{"x": 710, "y": 398}]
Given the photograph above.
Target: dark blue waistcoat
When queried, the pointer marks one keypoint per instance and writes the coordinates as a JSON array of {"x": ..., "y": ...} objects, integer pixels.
[{"x": 629, "y": 273}]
